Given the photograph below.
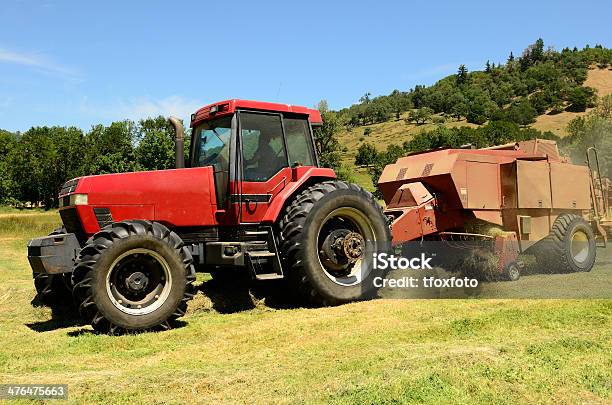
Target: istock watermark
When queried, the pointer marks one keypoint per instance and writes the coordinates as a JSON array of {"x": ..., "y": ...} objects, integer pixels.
[
  {"x": 474, "y": 269},
  {"x": 426, "y": 282},
  {"x": 384, "y": 261},
  {"x": 390, "y": 262}
]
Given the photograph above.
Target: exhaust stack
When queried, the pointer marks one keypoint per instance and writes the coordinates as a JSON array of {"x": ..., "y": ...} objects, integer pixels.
[{"x": 179, "y": 142}]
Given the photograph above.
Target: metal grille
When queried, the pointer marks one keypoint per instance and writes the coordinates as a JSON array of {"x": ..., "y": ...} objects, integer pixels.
[
  {"x": 401, "y": 173},
  {"x": 104, "y": 217},
  {"x": 427, "y": 169},
  {"x": 69, "y": 187}
]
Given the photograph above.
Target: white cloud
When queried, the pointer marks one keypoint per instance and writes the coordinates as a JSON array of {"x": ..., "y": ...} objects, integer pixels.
[
  {"x": 37, "y": 62},
  {"x": 144, "y": 107},
  {"x": 173, "y": 105}
]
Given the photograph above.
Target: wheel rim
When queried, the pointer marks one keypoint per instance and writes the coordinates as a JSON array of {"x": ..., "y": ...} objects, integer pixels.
[
  {"x": 139, "y": 281},
  {"x": 514, "y": 272},
  {"x": 580, "y": 248},
  {"x": 341, "y": 241}
]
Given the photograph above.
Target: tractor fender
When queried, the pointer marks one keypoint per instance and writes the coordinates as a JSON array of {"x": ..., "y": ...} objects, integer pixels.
[{"x": 302, "y": 177}]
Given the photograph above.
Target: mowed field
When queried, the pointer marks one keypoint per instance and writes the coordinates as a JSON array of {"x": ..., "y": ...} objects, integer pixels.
[{"x": 234, "y": 348}]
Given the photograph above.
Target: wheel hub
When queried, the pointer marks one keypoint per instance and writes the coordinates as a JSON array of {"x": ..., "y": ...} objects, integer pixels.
[
  {"x": 580, "y": 247},
  {"x": 341, "y": 248},
  {"x": 137, "y": 281},
  {"x": 353, "y": 246}
]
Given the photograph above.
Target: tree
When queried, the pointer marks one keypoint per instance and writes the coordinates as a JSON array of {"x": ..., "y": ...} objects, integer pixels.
[
  {"x": 532, "y": 54},
  {"x": 42, "y": 160},
  {"x": 400, "y": 102},
  {"x": 420, "y": 116},
  {"x": 365, "y": 98},
  {"x": 581, "y": 97},
  {"x": 7, "y": 144},
  {"x": 459, "y": 110},
  {"x": 594, "y": 129},
  {"x": 366, "y": 155},
  {"x": 522, "y": 113},
  {"x": 510, "y": 62},
  {"x": 537, "y": 52},
  {"x": 462, "y": 75},
  {"x": 111, "y": 149},
  {"x": 604, "y": 107},
  {"x": 418, "y": 96},
  {"x": 325, "y": 137},
  {"x": 488, "y": 67},
  {"x": 155, "y": 149},
  {"x": 540, "y": 102}
]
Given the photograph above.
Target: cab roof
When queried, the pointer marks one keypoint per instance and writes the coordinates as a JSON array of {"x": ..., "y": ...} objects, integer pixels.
[{"x": 228, "y": 107}]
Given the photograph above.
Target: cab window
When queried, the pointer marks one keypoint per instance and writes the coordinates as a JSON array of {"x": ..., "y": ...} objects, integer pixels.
[
  {"x": 263, "y": 149},
  {"x": 299, "y": 143}
]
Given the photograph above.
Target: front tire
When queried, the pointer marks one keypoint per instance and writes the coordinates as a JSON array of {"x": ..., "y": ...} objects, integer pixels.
[
  {"x": 132, "y": 276},
  {"x": 323, "y": 237}
]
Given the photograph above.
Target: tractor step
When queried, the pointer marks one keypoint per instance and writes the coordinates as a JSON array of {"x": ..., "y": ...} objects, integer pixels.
[
  {"x": 264, "y": 265},
  {"x": 261, "y": 256},
  {"x": 256, "y": 233},
  {"x": 269, "y": 276}
]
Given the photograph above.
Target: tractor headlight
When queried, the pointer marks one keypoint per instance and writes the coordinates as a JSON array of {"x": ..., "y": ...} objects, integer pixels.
[{"x": 73, "y": 199}]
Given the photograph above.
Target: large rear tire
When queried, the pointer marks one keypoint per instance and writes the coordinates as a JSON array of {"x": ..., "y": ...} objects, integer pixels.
[
  {"x": 570, "y": 246},
  {"x": 322, "y": 240},
  {"x": 133, "y": 276},
  {"x": 53, "y": 290}
]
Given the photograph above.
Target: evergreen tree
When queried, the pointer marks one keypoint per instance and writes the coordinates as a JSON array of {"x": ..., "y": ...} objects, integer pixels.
[
  {"x": 537, "y": 53},
  {"x": 462, "y": 75}
]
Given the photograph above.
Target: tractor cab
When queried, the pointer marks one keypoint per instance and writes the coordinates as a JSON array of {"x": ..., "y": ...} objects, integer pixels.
[{"x": 254, "y": 149}]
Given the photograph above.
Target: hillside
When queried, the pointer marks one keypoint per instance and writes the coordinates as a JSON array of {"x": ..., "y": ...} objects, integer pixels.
[
  {"x": 599, "y": 79},
  {"x": 397, "y": 131},
  {"x": 532, "y": 95}
]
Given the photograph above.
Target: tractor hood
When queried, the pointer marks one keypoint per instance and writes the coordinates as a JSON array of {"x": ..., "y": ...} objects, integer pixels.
[{"x": 177, "y": 197}]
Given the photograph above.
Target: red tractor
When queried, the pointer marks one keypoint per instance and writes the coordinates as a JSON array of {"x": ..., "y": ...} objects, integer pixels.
[{"x": 253, "y": 196}]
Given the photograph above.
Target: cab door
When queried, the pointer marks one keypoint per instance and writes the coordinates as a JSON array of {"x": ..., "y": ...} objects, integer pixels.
[{"x": 264, "y": 168}]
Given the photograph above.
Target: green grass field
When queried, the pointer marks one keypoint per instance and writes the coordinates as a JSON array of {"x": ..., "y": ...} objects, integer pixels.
[{"x": 237, "y": 349}]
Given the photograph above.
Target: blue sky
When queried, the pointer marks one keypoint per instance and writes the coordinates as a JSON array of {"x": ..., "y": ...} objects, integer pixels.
[{"x": 82, "y": 63}]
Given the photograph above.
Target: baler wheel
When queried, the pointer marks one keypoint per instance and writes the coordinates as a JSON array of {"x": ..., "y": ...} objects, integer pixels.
[
  {"x": 570, "y": 246},
  {"x": 322, "y": 242},
  {"x": 53, "y": 290},
  {"x": 513, "y": 272},
  {"x": 133, "y": 276}
]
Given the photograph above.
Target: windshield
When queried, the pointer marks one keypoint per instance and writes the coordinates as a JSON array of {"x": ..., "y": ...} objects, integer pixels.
[{"x": 212, "y": 143}]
